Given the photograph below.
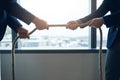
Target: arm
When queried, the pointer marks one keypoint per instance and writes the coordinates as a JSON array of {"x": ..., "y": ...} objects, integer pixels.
[
  {"x": 112, "y": 20},
  {"x": 109, "y": 20},
  {"x": 101, "y": 11},
  {"x": 14, "y": 24},
  {"x": 14, "y": 9}
]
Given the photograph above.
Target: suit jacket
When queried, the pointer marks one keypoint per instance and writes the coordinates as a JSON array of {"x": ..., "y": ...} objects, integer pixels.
[
  {"x": 10, "y": 10},
  {"x": 112, "y": 21}
]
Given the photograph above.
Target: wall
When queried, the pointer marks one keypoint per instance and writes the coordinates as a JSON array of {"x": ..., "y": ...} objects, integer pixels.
[{"x": 52, "y": 66}]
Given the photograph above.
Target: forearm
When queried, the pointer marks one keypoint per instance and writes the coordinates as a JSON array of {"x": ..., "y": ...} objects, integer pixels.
[
  {"x": 100, "y": 12},
  {"x": 13, "y": 23}
]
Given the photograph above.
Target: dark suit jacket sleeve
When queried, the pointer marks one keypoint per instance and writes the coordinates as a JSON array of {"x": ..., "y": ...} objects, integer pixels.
[
  {"x": 13, "y": 23},
  {"x": 14, "y": 9},
  {"x": 100, "y": 12},
  {"x": 112, "y": 20}
]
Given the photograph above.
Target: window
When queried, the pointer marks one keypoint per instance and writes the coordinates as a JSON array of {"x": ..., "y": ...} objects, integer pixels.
[
  {"x": 6, "y": 43},
  {"x": 56, "y": 12},
  {"x": 104, "y": 30}
]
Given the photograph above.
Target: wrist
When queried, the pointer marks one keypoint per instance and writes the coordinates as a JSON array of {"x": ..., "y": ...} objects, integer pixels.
[
  {"x": 34, "y": 20},
  {"x": 79, "y": 21},
  {"x": 102, "y": 20}
]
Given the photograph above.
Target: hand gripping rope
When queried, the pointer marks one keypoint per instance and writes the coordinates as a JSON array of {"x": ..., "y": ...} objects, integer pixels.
[{"x": 60, "y": 25}]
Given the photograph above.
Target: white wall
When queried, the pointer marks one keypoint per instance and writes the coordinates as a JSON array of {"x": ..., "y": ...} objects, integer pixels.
[{"x": 52, "y": 66}]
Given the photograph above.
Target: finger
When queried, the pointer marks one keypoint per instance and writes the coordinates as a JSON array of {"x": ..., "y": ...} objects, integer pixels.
[
  {"x": 47, "y": 27},
  {"x": 28, "y": 37},
  {"x": 67, "y": 26},
  {"x": 24, "y": 35},
  {"x": 91, "y": 23}
]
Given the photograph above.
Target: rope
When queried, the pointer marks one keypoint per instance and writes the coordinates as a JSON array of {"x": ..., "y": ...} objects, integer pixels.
[
  {"x": 100, "y": 56},
  {"x": 13, "y": 53},
  {"x": 59, "y": 25},
  {"x": 15, "y": 41},
  {"x": 100, "y": 50}
]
